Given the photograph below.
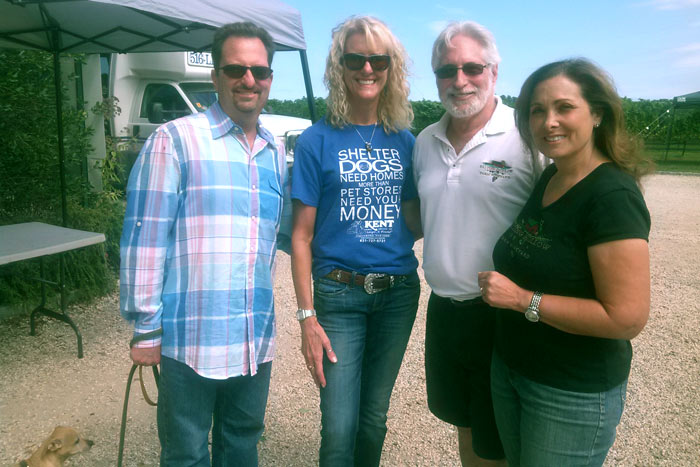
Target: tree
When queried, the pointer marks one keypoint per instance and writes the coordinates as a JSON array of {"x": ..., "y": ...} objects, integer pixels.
[{"x": 29, "y": 179}]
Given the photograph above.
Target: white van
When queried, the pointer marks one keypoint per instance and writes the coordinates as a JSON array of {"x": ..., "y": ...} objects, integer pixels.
[{"x": 154, "y": 88}]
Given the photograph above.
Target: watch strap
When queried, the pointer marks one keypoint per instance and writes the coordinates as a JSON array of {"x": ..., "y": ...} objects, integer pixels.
[
  {"x": 535, "y": 302},
  {"x": 302, "y": 313}
]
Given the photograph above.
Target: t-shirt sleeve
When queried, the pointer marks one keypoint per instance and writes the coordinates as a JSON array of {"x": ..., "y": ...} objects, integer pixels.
[
  {"x": 617, "y": 215},
  {"x": 306, "y": 172}
]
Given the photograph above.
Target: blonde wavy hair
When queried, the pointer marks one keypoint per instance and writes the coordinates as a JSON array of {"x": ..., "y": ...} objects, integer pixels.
[{"x": 394, "y": 112}]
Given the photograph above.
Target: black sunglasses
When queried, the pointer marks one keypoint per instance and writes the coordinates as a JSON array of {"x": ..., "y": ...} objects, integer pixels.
[
  {"x": 237, "y": 71},
  {"x": 469, "y": 69},
  {"x": 356, "y": 62}
]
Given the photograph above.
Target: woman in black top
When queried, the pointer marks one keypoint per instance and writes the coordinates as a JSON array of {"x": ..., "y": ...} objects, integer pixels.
[{"x": 572, "y": 274}]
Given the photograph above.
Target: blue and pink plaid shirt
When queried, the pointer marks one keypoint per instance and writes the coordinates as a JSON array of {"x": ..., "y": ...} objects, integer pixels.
[{"x": 199, "y": 241}]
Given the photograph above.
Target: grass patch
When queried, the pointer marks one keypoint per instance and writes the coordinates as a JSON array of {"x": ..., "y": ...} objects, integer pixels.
[
  {"x": 674, "y": 165},
  {"x": 681, "y": 157}
]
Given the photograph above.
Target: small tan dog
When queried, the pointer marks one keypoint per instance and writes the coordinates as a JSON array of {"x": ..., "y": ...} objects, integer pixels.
[{"x": 63, "y": 443}]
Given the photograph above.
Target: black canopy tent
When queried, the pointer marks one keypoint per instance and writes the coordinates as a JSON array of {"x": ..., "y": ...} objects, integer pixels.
[
  {"x": 121, "y": 26},
  {"x": 687, "y": 101}
]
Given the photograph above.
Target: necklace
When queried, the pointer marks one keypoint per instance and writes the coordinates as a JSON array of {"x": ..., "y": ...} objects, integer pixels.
[{"x": 368, "y": 144}]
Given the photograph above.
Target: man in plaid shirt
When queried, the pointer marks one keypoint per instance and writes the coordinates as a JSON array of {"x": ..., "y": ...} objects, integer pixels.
[{"x": 204, "y": 205}]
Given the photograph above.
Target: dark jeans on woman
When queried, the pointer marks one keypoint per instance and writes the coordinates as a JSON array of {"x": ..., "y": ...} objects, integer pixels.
[
  {"x": 369, "y": 334},
  {"x": 187, "y": 403}
]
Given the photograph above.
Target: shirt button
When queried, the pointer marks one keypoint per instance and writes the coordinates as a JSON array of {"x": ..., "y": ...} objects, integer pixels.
[
  {"x": 138, "y": 224},
  {"x": 254, "y": 187}
]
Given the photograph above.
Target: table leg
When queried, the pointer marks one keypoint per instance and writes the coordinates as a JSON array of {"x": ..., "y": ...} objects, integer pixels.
[{"x": 63, "y": 316}]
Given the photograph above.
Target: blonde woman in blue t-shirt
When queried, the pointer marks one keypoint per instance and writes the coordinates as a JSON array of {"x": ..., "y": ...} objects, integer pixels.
[{"x": 354, "y": 201}]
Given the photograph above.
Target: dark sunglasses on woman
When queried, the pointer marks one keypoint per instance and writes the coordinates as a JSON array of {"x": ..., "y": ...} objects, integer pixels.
[
  {"x": 237, "y": 71},
  {"x": 469, "y": 69},
  {"x": 356, "y": 62}
]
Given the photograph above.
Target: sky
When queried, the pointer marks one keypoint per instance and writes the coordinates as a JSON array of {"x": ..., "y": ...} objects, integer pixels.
[{"x": 651, "y": 48}]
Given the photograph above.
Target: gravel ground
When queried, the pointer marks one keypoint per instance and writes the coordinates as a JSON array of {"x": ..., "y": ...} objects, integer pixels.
[{"x": 44, "y": 385}]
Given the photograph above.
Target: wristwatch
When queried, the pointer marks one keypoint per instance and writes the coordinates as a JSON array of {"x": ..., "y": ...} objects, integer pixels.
[
  {"x": 533, "y": 310},
  {"x": 302, "y": 314}
]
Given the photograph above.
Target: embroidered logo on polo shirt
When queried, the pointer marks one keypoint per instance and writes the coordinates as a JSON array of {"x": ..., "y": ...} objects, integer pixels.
[{"x": 496, "y": 170}]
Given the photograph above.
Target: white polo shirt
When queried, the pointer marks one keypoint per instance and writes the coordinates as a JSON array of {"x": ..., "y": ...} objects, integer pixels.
[{"x": 469, "y": 199}]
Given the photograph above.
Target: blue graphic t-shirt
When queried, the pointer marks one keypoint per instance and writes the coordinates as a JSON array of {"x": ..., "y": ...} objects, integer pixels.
[{"x": 357, "y": 195}]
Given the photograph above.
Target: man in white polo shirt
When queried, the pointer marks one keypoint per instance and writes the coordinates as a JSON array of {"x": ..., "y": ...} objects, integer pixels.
[{"x": 473, "y": 175}]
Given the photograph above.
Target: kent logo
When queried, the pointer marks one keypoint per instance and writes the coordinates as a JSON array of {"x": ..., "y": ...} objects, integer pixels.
[{"x": 374, "y": 225}]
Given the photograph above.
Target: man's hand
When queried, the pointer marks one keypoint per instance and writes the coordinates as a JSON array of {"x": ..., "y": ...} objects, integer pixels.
[
  {"x": 148, "y": 356},
  {"x": 313, "y": 343}
]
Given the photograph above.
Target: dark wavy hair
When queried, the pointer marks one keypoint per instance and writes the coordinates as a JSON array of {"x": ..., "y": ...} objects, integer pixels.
[
  {"x": 611, "y": 137},
  {"x": 241, "y": 29}
]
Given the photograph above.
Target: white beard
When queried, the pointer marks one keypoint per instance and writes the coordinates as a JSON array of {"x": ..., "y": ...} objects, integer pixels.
[{"x": 478, "y": 102}]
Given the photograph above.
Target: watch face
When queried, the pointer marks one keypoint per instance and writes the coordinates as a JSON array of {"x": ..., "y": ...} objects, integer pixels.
[{"x": 532, "y": 315}]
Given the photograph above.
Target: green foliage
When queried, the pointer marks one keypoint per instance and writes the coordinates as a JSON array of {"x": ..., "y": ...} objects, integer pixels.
[
  {"x": 114, "y": 174},
  {"x": 509, "y": 100},
  {"x": 30, "y": 186},
  {"x": 296, "y": 108},
  {"x": 651, "y": 120},
  {"x": 425, "y": 113},
  {"x": 647, "y": 119}
]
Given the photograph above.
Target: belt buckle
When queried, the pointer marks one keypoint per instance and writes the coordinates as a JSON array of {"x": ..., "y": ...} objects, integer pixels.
[{"x": 369, "y": 282}]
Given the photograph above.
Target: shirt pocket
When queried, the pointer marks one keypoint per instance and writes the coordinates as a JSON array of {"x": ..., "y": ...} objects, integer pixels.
[{"x": 273, "y": 200}]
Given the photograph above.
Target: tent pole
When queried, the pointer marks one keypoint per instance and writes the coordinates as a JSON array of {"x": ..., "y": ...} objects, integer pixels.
[
  {"x": 307, "y": 82},
  {"x": 670, "y": 129},
  {"x": 59, "y": 124}
]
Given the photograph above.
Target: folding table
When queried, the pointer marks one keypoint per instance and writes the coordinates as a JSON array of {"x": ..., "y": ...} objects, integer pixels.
[{"x": 19, "y": 242}]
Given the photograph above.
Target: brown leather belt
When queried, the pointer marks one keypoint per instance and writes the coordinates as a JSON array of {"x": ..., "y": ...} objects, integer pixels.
[{"x": 372, "y": 283}]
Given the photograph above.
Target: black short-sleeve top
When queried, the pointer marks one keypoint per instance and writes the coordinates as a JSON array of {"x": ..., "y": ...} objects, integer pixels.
[{"x": 546, "y": 249}]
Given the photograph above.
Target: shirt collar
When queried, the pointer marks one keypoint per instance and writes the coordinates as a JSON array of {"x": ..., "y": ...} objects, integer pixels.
[
  {"x": 501, "y": 121},
  {"x": 221, "y": 124}
]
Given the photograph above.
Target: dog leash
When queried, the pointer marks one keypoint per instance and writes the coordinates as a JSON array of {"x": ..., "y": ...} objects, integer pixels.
[{"x": 156, "y": 377}]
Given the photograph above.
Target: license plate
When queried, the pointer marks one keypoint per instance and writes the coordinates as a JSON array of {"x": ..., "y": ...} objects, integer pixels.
[{"x": 202, "y": 59}]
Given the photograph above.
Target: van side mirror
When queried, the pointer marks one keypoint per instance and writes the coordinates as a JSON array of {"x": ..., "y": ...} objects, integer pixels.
[{"x": 156, "y": 113}]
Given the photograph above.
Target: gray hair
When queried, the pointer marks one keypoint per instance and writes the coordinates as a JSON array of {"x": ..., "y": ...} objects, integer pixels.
[{"x": 470, "y": 29}]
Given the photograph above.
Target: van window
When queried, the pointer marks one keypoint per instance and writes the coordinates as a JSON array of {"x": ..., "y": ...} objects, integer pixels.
[
  {"x": 201, "y": 95},
  {"x": 162, "y": 103}
]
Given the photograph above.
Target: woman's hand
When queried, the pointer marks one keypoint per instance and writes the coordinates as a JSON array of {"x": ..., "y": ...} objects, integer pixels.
[
  {"x": 620, "y": 310},
  {"x": 500, "y": 292},
  {"x": 314, "y": 342}
]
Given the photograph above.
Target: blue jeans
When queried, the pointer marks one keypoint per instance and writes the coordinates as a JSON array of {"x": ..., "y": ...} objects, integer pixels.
[
  {"x": 544, "y": 426},
  {"x": 187, "y": 403},
  {"x": 369, "y": 334}
]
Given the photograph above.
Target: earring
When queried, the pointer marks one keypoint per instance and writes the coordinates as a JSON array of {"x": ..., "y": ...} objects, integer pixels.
[{"x": 596, "y": 125}]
